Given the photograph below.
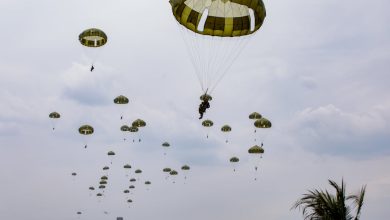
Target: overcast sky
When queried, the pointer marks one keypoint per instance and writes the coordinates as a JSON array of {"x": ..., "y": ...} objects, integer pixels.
[{"x": 319, "y": 70}]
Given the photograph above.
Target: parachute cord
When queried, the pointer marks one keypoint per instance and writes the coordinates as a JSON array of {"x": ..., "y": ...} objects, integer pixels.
[
  {"x": 191, "y": 51},
  {"x": 240, "y": 47}
]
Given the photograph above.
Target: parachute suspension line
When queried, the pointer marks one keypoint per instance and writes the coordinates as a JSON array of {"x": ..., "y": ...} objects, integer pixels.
[
  {"x": 190, "y": 49},
  {"x": 242, "y": 42}
]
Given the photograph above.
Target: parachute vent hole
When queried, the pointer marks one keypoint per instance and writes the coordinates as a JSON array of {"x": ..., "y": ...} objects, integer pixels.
[
  {"x": 252, "y": 19},
  {"x": 203, "y": 19}
]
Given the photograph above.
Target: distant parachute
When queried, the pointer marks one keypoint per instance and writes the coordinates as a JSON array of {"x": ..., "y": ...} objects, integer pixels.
[
  {"x": 256, "y": 152},
  {"x": 92, "y": 39},
  {"x": 226, "y": 129},
  {"x": 54, "y": 116},
  {"x": 133, "y": 180},
  {"x": 185, "y": 169},
  {"x": 86, "y": 130},
  {"x": 133, "y": 129},
  {"x": 255, "y": 115},
  {"x": 165, "y": 145},
  {"x": 121, "y": 100},
  {"x": 127, "y": 167},
  {"x": 125, "y": 129},
  {"x": 264, "y": 124},
  {"x": 104, "y": 178},
  {"x": 166, "y": 170},
  {"x": 111, "y": 154},
  {"x": 131, "y": 187},
  {"x": 147, "y": 183},
  {"x": 173, "y": 175},
  {"x": 139, "y": 123},
  {"x": 207, "y": 124},
  {"x": 215, "y": 32},
  {"x": 234, "y": 161}
]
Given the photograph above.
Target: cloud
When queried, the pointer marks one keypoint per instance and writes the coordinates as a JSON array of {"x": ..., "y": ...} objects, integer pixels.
[{"x": 329, "y": 130}]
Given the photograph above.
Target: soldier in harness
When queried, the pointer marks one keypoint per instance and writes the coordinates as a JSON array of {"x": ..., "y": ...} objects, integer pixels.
[{"x": 204, "y": 105}]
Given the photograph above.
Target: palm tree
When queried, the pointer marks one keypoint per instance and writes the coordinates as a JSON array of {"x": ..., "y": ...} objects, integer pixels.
[{"x": 321, "y": 205}]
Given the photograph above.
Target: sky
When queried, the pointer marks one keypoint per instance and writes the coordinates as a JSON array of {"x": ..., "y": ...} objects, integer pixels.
[{"x": 317, "y": 69}]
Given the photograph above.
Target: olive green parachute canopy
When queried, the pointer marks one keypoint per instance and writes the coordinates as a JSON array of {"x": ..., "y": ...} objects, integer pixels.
[
  {"x": 104, "y": 178},
  {"x": 54, "y": 115},
  {"x": 125, "y": 128},
  {"x": 126, "y": 191},
  {"x": 148, "y": 182},
  {"x": 226, "y": 128},
  {"x": 99, "y": 194},
  {"x": 121, "y": 100},
  {"x": 129, "y": 201},
  {"x": 111, "y": 153},
  {"x": 255, "y": 115},
  {"x": 86, "y": 130},
  {"x": 226, "y": 18},
  {"x": 262, "y": 123},
  {"x": 131, "y": 187},
  {"x": 93, "y": 38},
  {"x": 256, "y": 150},
  {"x": 102, "y": 187},
  {"x": 138, "y": 171},
  {"x": 103, "y": 182},
  {"x": 133, "y": 129},
  {"x": 74, "y": 174},
  {"x": 106, "y": 168},
  {"x": 91, "y": 188},
  {"x": 138, "y": 123},
  {"x": 133, "y": 180},
  {"x": 207, "y": 123},
  {"x": 166, "y": 144},
  {"x": 173, "y": 173},
  {"x": 234, "y": 160},
  {"x": 167, "y": 169},
  {"x": 185, "y": 167},
  {"x": 206, "y": 97},
  {"x": 127, "y": 166}
]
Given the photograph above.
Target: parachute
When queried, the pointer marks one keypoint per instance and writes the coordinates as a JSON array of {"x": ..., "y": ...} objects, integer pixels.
[
  {"x": 215, "y": 32},
  {"x": 125, "y": 129},
  {"x": 54, "y": 116},
  {"x": 147, "y": 183},
  {"x": 131, "y": 187},
  {"x": 185, "y": 169},
  {"x": 139, "y": 123},
  {"x": 165, "y": 145},
  {"x": 234, "y": 161},
  {"x": 127, "y": 167},
  {"x": 256, "y": 152},
  {"x": 133, "y": 129},
  {"x": 133, "y": 180},
  {"x": 264, "y": 124},
  {"x": 121, "y": 100},
  {"x": 255, "y": 115},
  {"x": 104, "y": 178},
  {"x": 92, "y": 40},
  {"x": 208, "y": 124},
  {"x": 111, "y": 154},
  {"x": 173, "y": 175},
  {"x": 226, "y": 129},
  {"x": 86, "y": 130}
]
